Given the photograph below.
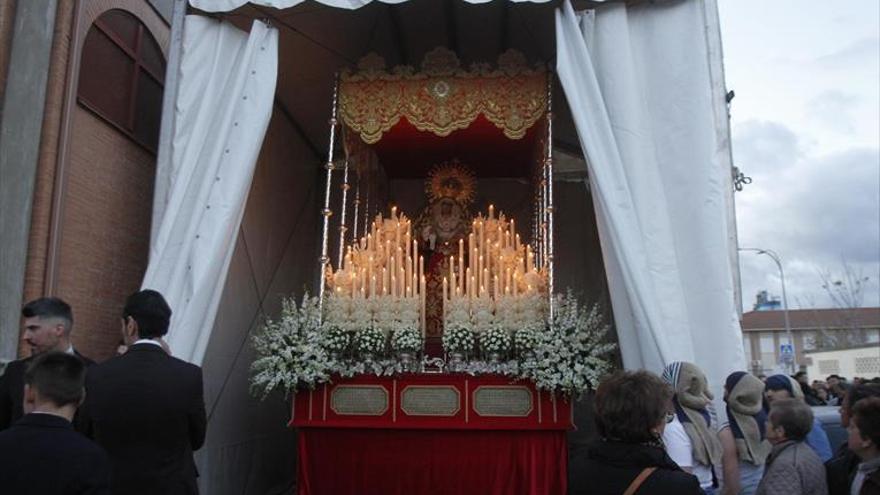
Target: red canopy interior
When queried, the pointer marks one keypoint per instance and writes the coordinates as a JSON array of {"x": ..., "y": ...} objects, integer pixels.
[{"x": 408, "y": 153}]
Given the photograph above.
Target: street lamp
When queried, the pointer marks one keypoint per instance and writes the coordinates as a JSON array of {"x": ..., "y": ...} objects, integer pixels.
[{"x": 775, "y": 258}]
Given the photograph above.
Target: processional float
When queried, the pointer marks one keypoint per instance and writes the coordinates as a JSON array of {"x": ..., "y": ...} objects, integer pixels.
[
  {"x": 487, "y": 275},
  {"x": 410, "y": 280}
]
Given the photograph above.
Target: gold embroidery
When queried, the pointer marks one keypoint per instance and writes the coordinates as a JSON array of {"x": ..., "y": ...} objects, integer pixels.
[{"x": 443, "y": 97}]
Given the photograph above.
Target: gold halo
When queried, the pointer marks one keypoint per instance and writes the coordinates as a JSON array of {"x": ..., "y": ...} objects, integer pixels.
[{"x": 451, "y": 179}]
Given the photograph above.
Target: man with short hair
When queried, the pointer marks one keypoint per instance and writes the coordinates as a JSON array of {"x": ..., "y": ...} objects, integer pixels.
[
  {"x": 146, "y": 408},
  {"x": 48, "y": 322},
  {"x": 792, "y": 467},
  {"x": 864, "y": 440},
  {"x": 841, "y": 469},
  {"x": 41, "y": 453}
]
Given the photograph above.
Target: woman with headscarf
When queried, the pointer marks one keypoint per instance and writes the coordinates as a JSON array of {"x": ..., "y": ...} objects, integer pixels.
[
  {"x": 691, "y": 438},
  {"x": 742, "y": 438}
]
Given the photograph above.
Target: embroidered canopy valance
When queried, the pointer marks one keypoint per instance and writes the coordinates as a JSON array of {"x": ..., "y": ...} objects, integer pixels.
[{"x": 443, "y": 97}]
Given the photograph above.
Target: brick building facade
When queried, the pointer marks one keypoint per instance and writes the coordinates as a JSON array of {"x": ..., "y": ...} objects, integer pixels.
[
  {"x": 90, "y": 202},
  {"x": 764, "y": 334}
]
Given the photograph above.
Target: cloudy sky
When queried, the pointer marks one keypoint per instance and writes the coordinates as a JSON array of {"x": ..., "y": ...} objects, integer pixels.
[{"x": 806, "y": 129}]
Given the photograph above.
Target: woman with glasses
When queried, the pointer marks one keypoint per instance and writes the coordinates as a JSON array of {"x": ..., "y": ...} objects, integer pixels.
[{"x": 632, "y": 409}]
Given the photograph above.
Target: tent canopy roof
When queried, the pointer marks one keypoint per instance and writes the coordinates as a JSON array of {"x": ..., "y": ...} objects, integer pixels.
[{"x": 317, "y": 41}]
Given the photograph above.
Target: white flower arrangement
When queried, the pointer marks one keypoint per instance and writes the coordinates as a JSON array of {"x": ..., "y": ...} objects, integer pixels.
[
  {"x": 296, "y": 351},
  {"x": 495, "y": 340},
  {"x": 406, "y": 339},
  {"x": 458, "y": 312},
  {"x": 369, "y": 340},
  {"x": 482, "y": 313},
  {"x": 336, "y": 338},
  {"x": 527, "y": 338},
  {"x": 458, "y": 338},
  {"x": 361, "y": 314},
  {"x": 570, "y": 356},
  {"x": 291, "y": 351}
]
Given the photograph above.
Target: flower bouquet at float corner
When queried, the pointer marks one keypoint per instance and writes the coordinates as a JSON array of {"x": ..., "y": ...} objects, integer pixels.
[
  {"x": 571, "y": 354},
  {"x": 336, "y": 340},
  {"x": 291, "y": 351}
]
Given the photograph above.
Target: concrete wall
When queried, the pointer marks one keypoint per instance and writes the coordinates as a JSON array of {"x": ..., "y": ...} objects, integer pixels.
[
  {"x": 863, "y": 362},
  {"x": 24, "y": 97},
  {"x": 249, "y": 448},
  {"x": 7, "y": 18}
]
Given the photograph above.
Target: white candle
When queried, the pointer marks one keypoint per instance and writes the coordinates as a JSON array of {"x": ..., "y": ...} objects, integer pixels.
[
  {"x": 407, "y": 274},
  {"x": 529, "y": 259},
  {"x": 451, "y": 268},
  {"x": 482, "y": 238},
  {"x": 453, "y": 287},
  {"x": 422, "y": 287}
]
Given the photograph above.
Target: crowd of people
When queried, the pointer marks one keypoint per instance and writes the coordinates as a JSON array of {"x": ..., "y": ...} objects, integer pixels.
[
  {"x": 130, "y": 425},
  {"x": 661, "y": 436},
  {"x": 127, "y": 426}
]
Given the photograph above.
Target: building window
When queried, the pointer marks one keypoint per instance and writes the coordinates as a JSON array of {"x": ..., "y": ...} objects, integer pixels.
[
  {"x": 809, "y": 341},
  {"x": 121, "y": 76},
  {"x": 829, "y": 366},
  {"x": 867, "y": 365},
  {"x": 768, "y": 349}
]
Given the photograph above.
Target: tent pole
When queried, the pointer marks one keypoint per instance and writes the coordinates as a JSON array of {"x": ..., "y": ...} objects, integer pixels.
[
  {"x": 342, "y": 226},
  {"x": 548, "y": 176},
  {"x": 357, "y": 204},
  {"x": 326, "y": 212}
]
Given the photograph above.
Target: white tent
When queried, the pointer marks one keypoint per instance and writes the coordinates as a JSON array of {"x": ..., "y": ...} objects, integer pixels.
[{"x": 244, "y": 138}]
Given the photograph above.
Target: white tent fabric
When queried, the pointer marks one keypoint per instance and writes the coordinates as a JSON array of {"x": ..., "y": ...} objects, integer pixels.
[
  {"x": 638, "y": 82},
  {"x": 226, "y": 90},
  {"x": 228, "y": 5}
]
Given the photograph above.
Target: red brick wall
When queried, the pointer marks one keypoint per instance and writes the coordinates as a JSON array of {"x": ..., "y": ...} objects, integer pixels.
[
  {"x": 7, "y": 20},
  {"x": 105, "y": 233},
  {"x": 105, "y": 208}
]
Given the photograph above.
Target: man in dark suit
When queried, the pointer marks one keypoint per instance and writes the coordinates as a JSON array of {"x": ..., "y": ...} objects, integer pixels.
[
  {"x": 146, "y": 408},
  {"x": 41, "y": 454},
  {"x": 48, "y": 322}
]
